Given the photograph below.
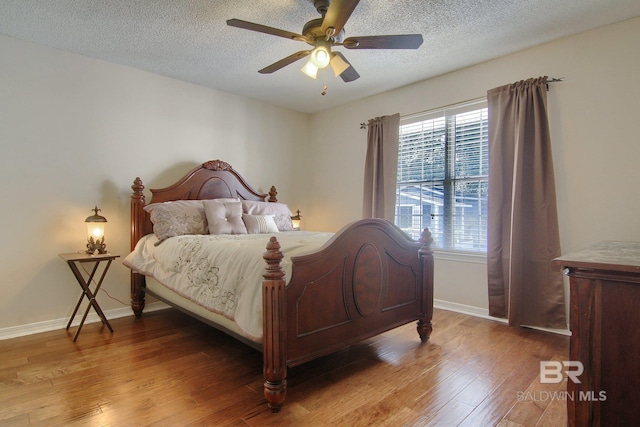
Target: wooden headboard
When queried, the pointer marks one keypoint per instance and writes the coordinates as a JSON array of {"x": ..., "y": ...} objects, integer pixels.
[{"x": 214, "y": 179}]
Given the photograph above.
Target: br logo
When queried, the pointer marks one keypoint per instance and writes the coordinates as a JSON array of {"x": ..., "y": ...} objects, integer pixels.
[{"x": 553, "y": 371}]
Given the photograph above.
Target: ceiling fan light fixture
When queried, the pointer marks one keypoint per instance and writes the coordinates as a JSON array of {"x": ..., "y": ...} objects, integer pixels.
[
  {"x": 321, "y": 55},
  {"x": 310, "y": 69},
  {"x": 325, "y": 33},
  {"x": 338, "y": 64}
]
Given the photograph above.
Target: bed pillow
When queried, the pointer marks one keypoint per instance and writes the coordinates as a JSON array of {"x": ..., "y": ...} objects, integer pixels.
[
  {"x": 260, "y": 224},
  {"x": 225, "y": 200},
  {"x": 280, "y": 211},
  {"x": 224, "y": 217},
  {"x": 177, "y": 218}
]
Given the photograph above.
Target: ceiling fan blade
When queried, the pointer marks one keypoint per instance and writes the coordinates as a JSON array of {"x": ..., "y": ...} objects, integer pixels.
[
  {"x": 337, "y": 15},
  {"x": 403, "y": 41},
  {"x": 284, "y": 62},
  {"x": 350, "y": 74},
  {"x": 266, "y": 30}
]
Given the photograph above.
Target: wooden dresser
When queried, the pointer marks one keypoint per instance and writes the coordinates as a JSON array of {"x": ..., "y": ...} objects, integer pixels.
[{"x": 605, "y": 327}]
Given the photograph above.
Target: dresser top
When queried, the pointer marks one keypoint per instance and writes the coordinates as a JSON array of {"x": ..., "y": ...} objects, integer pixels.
[{"x": 606, "y": 255}]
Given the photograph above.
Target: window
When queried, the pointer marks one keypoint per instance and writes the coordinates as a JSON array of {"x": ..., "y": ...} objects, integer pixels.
[{"x": 443, "y": 176}]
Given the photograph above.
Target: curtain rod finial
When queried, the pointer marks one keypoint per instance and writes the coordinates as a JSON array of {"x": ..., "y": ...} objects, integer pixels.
[{"x": 552, "y": 80}]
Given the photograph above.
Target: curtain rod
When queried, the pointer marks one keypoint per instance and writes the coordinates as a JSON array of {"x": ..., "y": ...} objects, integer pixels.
[
  {"x": 363, "y": 125},
  {"x": 552, "y": 80}
]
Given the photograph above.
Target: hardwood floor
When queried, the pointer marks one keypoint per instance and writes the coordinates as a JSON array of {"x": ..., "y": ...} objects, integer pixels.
[{"x": 167, "y": 369}]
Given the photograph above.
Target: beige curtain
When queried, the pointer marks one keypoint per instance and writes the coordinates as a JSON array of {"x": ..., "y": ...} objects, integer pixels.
[
  {"x": 523, "y": 233},
  {"x": 381, "y": 167}
]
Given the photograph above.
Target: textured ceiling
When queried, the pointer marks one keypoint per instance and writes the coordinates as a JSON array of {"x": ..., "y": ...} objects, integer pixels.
[{"x": 189, "y": 39}]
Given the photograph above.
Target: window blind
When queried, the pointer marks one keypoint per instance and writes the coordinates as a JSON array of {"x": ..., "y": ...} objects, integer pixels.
[{"x": 443, "y": 176}]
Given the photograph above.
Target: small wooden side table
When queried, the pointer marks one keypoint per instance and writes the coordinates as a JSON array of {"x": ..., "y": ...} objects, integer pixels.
[{"x": 74, "y": 260}]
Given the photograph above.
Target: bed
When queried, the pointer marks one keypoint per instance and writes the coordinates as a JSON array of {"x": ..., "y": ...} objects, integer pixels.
[{"x": 348, "y": 286}]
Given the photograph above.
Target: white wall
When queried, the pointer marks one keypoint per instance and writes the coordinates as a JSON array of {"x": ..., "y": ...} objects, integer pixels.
[
  {"x": 594, "y": 116},
  {"x": 75, "y": 132}
]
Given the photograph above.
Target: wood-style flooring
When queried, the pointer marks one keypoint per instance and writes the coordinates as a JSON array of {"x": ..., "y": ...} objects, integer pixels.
[{"x": 169, "y": 370}]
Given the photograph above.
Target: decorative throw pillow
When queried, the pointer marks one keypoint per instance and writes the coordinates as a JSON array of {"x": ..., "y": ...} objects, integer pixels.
[
  {"x": 224, "y": 217},
  {"x": 280, "y": 211},
  {"x": 177, "y": 218},
  {"x": 260, "y": 224}
]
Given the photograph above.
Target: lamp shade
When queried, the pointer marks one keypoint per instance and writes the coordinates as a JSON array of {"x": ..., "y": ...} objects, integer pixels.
[
  {"x": 296, "y": 219},
  {"x": 338, "y": 64},
  {"x": 95, "y": 232},
  {"x": 310, "y": 69},
  {"x": 320, "y": 56}
]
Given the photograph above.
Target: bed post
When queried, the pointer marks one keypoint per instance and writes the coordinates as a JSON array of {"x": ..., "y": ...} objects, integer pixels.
[
  {"x": 426, "y": 256},
  {"x": 274, "y": 328},
  {"x": 273, "y": 194},
  {"x": 137, "y": 231}
]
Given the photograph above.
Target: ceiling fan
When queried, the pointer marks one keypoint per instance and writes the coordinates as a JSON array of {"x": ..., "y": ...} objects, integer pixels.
[{"x": 324, "y": 34}]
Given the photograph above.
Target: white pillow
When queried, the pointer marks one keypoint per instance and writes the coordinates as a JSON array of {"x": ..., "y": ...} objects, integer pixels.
[
  {"x": 280, "y": 211},
  {"x": 224, "y": 218},
  {"x": 225, "y": 200},
  {"x": 177, "y": 218},
  {"x": 260, "y": 224}
]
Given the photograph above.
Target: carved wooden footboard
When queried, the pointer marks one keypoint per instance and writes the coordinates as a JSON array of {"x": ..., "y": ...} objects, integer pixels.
[{"x": 369, "y": 278}]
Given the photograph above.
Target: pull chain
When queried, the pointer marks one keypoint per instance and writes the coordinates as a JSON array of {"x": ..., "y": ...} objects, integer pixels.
[{"x": 324, "y": 81}]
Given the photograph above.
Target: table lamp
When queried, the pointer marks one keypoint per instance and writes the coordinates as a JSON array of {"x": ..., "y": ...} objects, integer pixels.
[
  {"x": 295, "y": 220},
  {"x": 95, "y": 233}
]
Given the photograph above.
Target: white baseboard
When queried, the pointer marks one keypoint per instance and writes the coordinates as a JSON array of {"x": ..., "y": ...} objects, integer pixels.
[
  {"x": 52, "y": 325},
  {"x": 465, "y": 309},
  {"x": 484, "y": 313}
]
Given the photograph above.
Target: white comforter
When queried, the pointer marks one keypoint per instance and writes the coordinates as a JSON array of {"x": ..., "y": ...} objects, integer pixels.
[{"x": 222, "y": 273}]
